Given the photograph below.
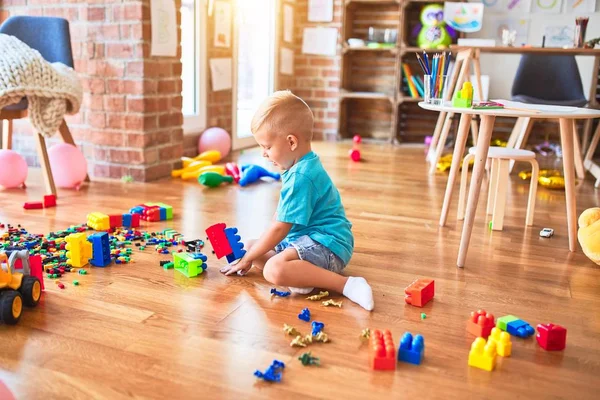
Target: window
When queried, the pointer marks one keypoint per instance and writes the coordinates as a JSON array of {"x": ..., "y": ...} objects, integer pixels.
[{"x": 193, "y": 60}]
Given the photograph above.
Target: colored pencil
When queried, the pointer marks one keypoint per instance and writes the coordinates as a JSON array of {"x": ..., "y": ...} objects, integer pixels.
[
  {"x": 422, "y": 64},
  {"x": 442, "y": 69},
  {"x": 426, "y": 58}
]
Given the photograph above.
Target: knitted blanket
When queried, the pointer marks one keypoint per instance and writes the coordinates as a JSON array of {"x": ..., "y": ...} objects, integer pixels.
[{"x": 52, "y": 90}]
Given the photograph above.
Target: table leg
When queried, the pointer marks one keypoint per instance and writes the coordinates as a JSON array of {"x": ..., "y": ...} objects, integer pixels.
[
  {"x": 579, "y": 169},
  {"x": 457, "y": 155},
  {"x": 483, "y": 145},
  {"x": 566, "y": 138}
]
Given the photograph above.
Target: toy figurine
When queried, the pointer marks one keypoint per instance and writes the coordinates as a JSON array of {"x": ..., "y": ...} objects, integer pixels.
[
  {"x": 307, "y": 359},
  {"x": 433, "y": 33},
  {"x": 318, "y": 296},
  {"x": 332, "y": 302}
]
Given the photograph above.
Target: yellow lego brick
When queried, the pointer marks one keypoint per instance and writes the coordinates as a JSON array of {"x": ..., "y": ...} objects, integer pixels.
[
  {"x": 502, "y": 340},
  {"x": 98, "y": 221},
  {"x": 482, "y": 354},
  {"x": 79, "y": 250}
]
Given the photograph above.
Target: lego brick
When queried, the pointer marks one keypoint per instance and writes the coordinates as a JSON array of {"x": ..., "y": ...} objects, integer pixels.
[
  {"x": 551, "y": 337},
  {"x": 115, "y": 221},
  {"x": 502, "y": 340},
  {"x": 78, "y": 250},
  {"x": 503, "y": 321},
  {"x": 218, "y": 240},
  {"x": 49, "y": 201},
  {"x": 151, "y": 214},
  {"x": 135, "y": 220},
  {"x": 482, "y": 354},
  {"x": 137, "y": 209},
  {"x": 163, "y": 214},
  {"x": 126, "y": 218},
  {"x": 98, "y": 221},
  {"x": 168, "y": 209},
  {"x": 520, "y": 328},
  {"x": 189, "y": 264},
  {"x": 304, "y": 315},
  {"x": 37, "y": 270},
  {"x": 480, "y": 323},
  {"x": 237, "y": 247},
  {"x": 411, "y": 350},
  {"x": 420, "y": 292},
  {"x": 100, "y": 249},
  {"x": 33, "y": 205},
  {"x": 382, "y": 352}
]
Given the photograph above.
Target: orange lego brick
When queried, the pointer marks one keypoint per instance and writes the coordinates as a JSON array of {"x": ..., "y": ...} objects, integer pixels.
[
  {"x": 382, "y": 352},
  {"x": 420, "y": 292},
  {"x": 480, "y": 323}
]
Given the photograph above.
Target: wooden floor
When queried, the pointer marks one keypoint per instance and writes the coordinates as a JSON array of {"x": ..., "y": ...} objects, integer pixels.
[{"x": 138, "y": 331}]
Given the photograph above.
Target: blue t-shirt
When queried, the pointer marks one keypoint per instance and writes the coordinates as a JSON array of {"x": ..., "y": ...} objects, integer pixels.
[{"x": 311, "y": 202}]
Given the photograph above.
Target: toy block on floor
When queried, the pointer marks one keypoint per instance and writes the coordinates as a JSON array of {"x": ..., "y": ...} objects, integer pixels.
[
  {"x": 482, "y": 354},
  {"x": 139, "y": 209},
  {"x": 382, "y": 353},
  {"x": 551, "y": 337},
  {"x": 480, "y": 323},
  {"x": 115, "y": 221},
  {"x": 520, "y": 328},
  {"x": 78, "y": 249},
  {"x": 100, "y": 249},
  {"x": 420, "y": 292},
  {"x": 237, "y": 247},
  {"x": 411, "y": 349},
  {"x": 126, "y": 218},
  {"x": 36, "y": 268},
  {"x": 98, "y": 221},
  {"x": 135, "y": 220},
  {"x": 503, "y": 343},
  {"x": 49, "y": 201},
  {"x": 225, "y": 242},
  {"x": 168, "y": 210},
  {"x": 33, "y": 205},
  {"x": 189, "y": 264},
  {"x": 151, "y": 214},
  {"x": 502, "y": 322}
]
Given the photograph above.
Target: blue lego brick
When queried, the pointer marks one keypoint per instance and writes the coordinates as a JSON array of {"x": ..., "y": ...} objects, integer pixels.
[
  {"x": 411, "y": 349},
  {"x": 127, "y": 220},
  {"x": 163, "y": 214},
  {"x": 136, "y": 210},
  {"x": 100, "y": 249},
  {"x": 317, "y": 327},
  {"x": 304, "y": 315},
  {"x": 273, "y": 373},
  {"x": 520, "y": 328},
  {"x": 237, "y": 247}
]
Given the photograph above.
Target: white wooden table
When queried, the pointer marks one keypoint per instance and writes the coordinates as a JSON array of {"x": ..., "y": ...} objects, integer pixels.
[{"x": 566, "y": 116}]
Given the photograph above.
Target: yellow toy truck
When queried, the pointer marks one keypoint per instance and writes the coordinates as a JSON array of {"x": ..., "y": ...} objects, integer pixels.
[{"x": 16, "y": 288}]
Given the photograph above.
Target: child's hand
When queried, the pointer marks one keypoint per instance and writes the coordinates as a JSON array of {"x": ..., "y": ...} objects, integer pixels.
[{"x": 241, "y": 268}]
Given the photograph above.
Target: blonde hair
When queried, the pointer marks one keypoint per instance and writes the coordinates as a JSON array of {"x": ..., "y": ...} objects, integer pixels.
[{"x": 284, "y": 113}]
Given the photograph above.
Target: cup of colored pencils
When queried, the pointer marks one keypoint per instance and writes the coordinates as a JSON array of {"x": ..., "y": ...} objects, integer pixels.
[
  {"x": 435, "y": 71},
  {"x": 580, "y": 28}
]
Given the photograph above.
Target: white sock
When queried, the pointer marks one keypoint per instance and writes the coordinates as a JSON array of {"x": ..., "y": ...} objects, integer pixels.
[
  {"x": 301, "y": 290},
  {"x": 358, "y": 290}
]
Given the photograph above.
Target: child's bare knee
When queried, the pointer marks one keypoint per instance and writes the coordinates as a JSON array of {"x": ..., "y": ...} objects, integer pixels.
[{"x": 274, "y": 271}]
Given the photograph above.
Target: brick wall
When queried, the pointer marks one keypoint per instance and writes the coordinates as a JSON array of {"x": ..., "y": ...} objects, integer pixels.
[{"x": 130, "y": 119}]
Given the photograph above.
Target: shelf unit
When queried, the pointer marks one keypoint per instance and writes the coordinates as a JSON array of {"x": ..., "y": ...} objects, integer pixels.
[{"x": 372, "y": 102}]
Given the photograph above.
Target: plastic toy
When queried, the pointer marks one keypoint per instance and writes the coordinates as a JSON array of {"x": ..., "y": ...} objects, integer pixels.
[
  {"x": 232, "y": 170},
  {"x": 191, "y": 167},
  {"x": 49, "y": 201},
  {"x": 290, "y": 330},
  {"x": 433, "y": 33},
  {"x": 519, "y": 328},
  {"x": 411, "y": 349},
  {"x": 195, "y": 174},
  {"x": 165, "y": 210},
  {"x": 211, "y": 156},
  {"x": 420, "y": 292},
  {"x": 33, "y": 205},
  {"x": 319, "y": 337},
  {"x": 14, "y": 169},
  {"x": 275, "y": 292},
  {"x": 480, "y": 323},
  {"x": 502, "y": 340},
  {"x": 189, "y": 264},
  {"x": 299, "y": 341},
  {"x": 382, "y": 353},
  {"x": 252, "y": 173},
  {"x": 365, "y": 334},
  {"x": 423, "y": 315},
  {"x": 79, "y": 250},
  {"x": 319, "y": 296},
  {"x": 68, "y": 165},
  {"x": 215, "y": 139},
  {"x": 75, "y": 283},
  {"x": 317, "y": 327},
  {"x": 551, "y": 337},
  {"x": 502, "y": 322},
  {"x": 100, "y": 249},
  {"x": 304, "y": 315},
  {"x": 307, "y": 359},
  {"x": 547, "y": 232},
  {"x": 214, "y": 179},
  {"x": 16, "y": 289},
  {"x": 355, "y": 152},
  {"x": 225, "y": 242},
  {"x": 464, "y": 97},
  {"x": 482, "y": 354},
  {"x": 98, "y": 221},
  {"x": 115, "y": 221},
  {"x": 332, "y": 302},
  {"x": 273, "y": 373},
  {"x": 589, "y": 233}
]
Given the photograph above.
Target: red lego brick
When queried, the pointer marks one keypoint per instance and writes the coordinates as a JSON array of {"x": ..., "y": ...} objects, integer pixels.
[
  {"x": 49, "y": 201},
  {"x": 551, "y": 337},
  {"x": 420, "y": 292},
  {"x": 480, "y": 324},
  {"x": 382, "y": 352},
  {"x": 151, "y": 214},
  {"x": 115, "y": 221},
  {"x": 35, "y": 265},
  {"x": 33, "y": 205},
  {"x": 135, "y": 220},
  {"x": 218, "y": 240}
]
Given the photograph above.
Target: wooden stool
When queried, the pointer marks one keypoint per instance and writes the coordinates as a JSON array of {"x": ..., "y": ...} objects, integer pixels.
[{"x": 500, "y": 158}]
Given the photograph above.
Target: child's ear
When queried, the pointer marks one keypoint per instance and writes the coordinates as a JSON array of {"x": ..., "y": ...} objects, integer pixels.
[{"x": 293, "y": 142}]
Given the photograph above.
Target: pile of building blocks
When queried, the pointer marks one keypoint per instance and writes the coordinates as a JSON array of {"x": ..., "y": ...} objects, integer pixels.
[
  {"x": 411, "y": 349},
  {"x": 190, "y": 264},
  {"x": 502, "y": 340},
  {"x": 551, "y": 337},
  {"x": 382, "y": 352},
  {"x": 480, "y": 323},
  {"x": 29, "y": 264},
  {"x": 225, "y": 242},
  {"x": 515, "y": 326},
  {"x": 153, "y": 212},
  {"x": 103, "y": 222},
  {"x": 100, "y": 249},
  {"x": 420, "y": 292},
  {"x": 79, "y": 250},
  {"x": 49, "y": 201},
  {"x": 483, "y": 354}
]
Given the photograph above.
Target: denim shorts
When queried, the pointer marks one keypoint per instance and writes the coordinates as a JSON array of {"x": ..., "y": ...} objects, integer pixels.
[{"x": 313, "y": 252}]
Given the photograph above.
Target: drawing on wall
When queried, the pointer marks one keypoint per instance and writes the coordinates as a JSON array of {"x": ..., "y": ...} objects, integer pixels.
[
  {"x": 580, "y": 6},
  {"x": 464, "y": 17},
  {"x": 517, "y": 6},
  {"x": 321, "y": 41},
  {"x": 286, "y": 63},
  {"x": 164, "y": 28},
  {"x": 494, "y": 25},
  {"x": 559, "y": 35},
  {"x": 493, "y": 6},
  {"x": 222, "y": 24},
  {"x": 546, "y": 6},
  {"x": 220, "y": 72},
  {"x": 288, "y": 23},
  {"x": 320, "y": 10}
]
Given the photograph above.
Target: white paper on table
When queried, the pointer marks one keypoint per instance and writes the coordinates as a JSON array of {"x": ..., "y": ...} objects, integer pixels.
[
  {"x": 164, "y": 28},
  {"x": 288, "y": 23},
  {"x": 537, "y": 107},
  {"x": 546, "y": 6},
  {"x": 320, "y": 10},
  {"x": 485, "y": 87},
  {"x": 222, "y": 15},
  {"x": 220, "y": 72},
  {"x": 463, "y": 17},
  {"x": 321, "y": 41},
  {"x": 580, "y": 6},
  {"x": 286, "y": 63}
]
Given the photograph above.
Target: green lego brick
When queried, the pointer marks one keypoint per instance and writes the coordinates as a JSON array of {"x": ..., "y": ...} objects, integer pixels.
[
  {"x": 502, "y": 322},
  {"x": 168, "y": 208},
  {"x": 187, "y": 265},
  {"x": 168, "y": 265}
]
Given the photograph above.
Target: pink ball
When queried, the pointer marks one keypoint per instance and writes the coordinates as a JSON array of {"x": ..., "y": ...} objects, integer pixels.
[
  {"x": 357, "y": 139},
  {"x": 13, "y": 169},
  {"x": 355, "y": 155},
  {"x": 215, "y": 139},
  {"x": 68, "y": 164}
]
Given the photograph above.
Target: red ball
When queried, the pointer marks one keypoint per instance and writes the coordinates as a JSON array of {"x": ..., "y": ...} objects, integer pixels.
[
  {"x": 357, "y": 139},
  {"x": 355, "y": 155}
]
